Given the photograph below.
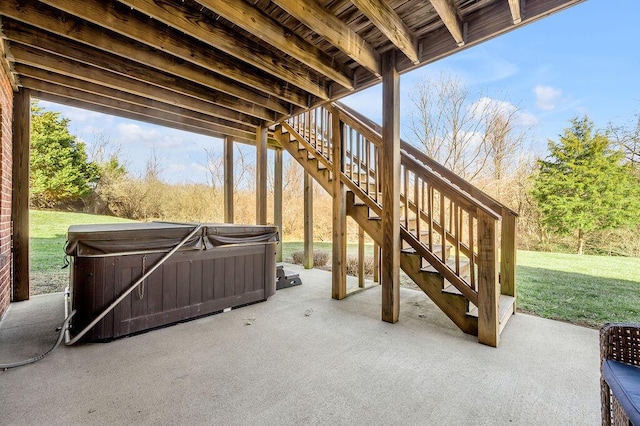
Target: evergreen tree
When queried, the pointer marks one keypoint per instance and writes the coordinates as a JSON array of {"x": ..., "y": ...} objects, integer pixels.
[
  {"x": 59, "y": 170},
  {"x": 584, "y": 185}
]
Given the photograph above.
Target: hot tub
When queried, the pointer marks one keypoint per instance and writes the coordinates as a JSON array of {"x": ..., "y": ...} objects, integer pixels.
[{"x": 222, "y": 266}]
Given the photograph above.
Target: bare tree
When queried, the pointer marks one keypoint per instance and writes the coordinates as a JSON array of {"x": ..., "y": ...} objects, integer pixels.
[
  {"x": 628, "y": 139},
  {"x": 471, "y": 137}
]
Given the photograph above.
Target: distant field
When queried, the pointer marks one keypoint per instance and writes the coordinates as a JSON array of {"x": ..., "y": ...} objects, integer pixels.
[{"x": 587, "y": 290}]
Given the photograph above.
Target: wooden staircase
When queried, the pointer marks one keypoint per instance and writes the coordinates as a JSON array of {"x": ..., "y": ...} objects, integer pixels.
[{"x": 458, "y": 243}]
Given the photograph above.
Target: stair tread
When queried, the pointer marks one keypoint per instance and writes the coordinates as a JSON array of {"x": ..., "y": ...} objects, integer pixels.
[
  {"x": 464, "y": 264},
  {"x": 505, "y": 307}
]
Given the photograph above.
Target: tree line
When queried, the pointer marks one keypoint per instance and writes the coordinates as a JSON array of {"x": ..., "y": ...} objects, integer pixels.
[{"x": 584, "y": 196}]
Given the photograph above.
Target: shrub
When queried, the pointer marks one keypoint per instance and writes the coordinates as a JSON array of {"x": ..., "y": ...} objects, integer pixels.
[
  {"x": 321, "y": 258},
  {"x": 297, "y": 257},
  {"x": 352, "y": 265}
]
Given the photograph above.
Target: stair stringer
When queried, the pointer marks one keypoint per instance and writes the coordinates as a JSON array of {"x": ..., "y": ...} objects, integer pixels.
[{"x": 453, "y": 305}]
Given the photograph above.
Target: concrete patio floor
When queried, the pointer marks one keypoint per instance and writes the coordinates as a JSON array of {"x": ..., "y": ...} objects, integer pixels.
[{"x": 304, "y": 359}]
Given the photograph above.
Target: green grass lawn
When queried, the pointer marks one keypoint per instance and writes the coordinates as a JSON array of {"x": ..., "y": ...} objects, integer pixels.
[
  {"x": 48, "y": 234},
  {"x": 588, "y": 290}
]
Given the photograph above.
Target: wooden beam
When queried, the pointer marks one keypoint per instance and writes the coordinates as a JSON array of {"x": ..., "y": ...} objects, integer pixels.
[
  {"x": 261, "y": 175},
  {"x": 307, "y": 260},
  {"x": 338, "y": 33},
  {"x": 516, "y": 14},
  {"x": 376, "y": 262},
  {"x": 277, "y": 200},
  {"x": 157, "y": 110},
  {"x": 54, "y": 63},
  {"x": 253, "y": 20},
  {"x": 84, "y": 54},
  {"x": 6, "y": 65},
  {"x": 203, "y": 28},
  {"x": 449, "y": 15},
  {"x": 390, "y": 178},
  {"x": 387, "y": 20},
  {"x": 228, "y": 179},
  {"x": 488, "y": 288},
  {"x": 138, "y": 27},
  {"x": 208, "y": 69},
  {"x": 150, "y": 117},
  {"x": 338, "y": 211},
  {"x": 20, "y": 193}
]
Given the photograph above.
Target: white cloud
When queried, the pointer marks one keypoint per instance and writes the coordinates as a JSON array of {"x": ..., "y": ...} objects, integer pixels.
[
  {"x": 547, "y": 97},
  {"x": 519, "y": 117}
]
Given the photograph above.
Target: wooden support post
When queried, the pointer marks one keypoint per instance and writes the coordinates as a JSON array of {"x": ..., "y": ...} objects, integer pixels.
[
  {"x": 488, "y": 294},
  {"x": 20, "y": 194},
  {"x": 390, "y": 177},
  {"x": 360, "y": 257},
  {"x": 376, "y": 263},
  {"x": 228, "y": 179},
  {"x": 307, "y": 261},
  {"x": 277, "y": 200},
  {"x": 508, "y": 255},
  {"x": 261, "y": 175},
  {"x": 339, "y": 212}
]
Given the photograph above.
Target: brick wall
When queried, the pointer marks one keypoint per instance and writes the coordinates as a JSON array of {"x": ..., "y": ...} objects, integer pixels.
[{"x": 6, "y": 115}]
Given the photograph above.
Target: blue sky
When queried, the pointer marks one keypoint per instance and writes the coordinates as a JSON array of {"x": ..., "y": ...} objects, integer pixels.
[{"x": 584, "y": 60}]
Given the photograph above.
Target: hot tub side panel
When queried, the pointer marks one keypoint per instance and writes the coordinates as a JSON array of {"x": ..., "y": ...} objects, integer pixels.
[{"x": 188, "y": 285}]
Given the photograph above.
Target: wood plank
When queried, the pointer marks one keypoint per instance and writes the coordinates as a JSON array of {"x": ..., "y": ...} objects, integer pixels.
[
  {"x": 37, "y": 58},
  {"x": 508, "y": 255},
  {"x": 6, "y": 66},
  {"x": 488, "y": 289},
  {"x": 376, "y": 262},
  {"x": 261, "y": 175},
  {"x": 251, "y": 19},
  {"x": 195, "y": 282},
  {"x": 387, "y": 20},
  {"x": 277, "y": 200},
  {"x": 149, "y": 117},
  {"x": 228, "y": 179},
  {"x": 335, "y": 31},
  {"x": 143, "y": 30},
  {"x": 200, "y": 27},
  {"x": 307, "y": 259},
  {"x": 62, "y": 85},
  {"x": 201, "y": 66},
  {"x": 82, "y": 53},
  {"x": 338, "y": 211},
  {"x": 516, "y": 14},
  {"x": 208, "y": 270},
  {"x": 390, "y": 178},
  {"x": 20, "y": 193},
  {"x": 183, "y": 283},
  {"x": 449, "y": 15}
]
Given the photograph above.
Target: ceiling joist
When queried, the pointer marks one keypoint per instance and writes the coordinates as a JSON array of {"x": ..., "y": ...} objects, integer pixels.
[
  {"x": 253, "y": 20},
  {"x": 387, "y": 20},
  {"x": 449, "y": 15},
  {"x": 226, "y": 66},
  {"x": 138, "y": 27},
  {"x": 516, "y": 12},
  {"x": 321, "y": 21},
  {"x": 81, "y": 53}
]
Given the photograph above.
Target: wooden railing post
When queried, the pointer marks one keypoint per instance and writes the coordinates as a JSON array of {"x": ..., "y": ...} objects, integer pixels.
[
  {"x": 339, "y": 211},
  {"x": 261, "y": 175},
  {"x": 20, "y": 194},
  {"x": 228, "y": 179},
  {"x": 508, "y": 255},
  {"x": 307, "y": 260},
  {"x": 488, "y": 294},
  {"x": 390, "y": 177},
  {"x": 277, "y": 200}
]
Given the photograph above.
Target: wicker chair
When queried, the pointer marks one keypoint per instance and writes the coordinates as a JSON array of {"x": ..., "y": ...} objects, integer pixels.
[{"x": 621, "y": 343}]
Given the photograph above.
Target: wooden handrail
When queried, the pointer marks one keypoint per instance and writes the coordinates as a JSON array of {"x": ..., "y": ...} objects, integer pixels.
[{"x": 474, "y": 192}]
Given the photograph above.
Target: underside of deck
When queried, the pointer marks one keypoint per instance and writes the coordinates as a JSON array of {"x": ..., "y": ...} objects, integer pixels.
[{"x": 304, "y": 359}]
